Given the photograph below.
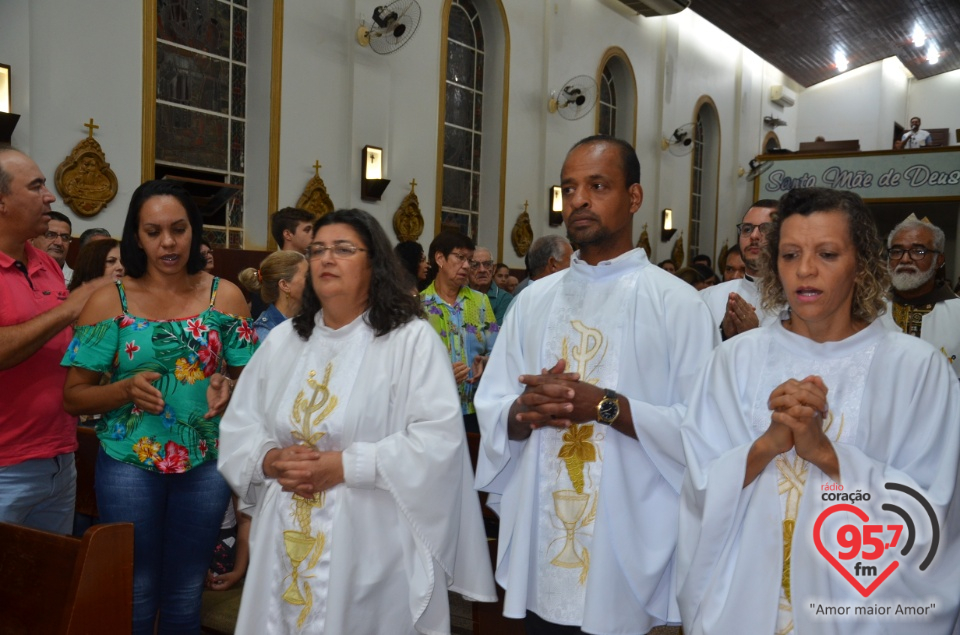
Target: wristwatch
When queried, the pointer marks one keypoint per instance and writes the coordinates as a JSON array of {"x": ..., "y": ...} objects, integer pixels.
[{"x": 609, "y": 407}]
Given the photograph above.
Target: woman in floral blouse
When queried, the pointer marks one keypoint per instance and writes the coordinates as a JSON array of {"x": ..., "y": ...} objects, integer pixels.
[
  {"x": 167, "y": 334},
  {"x": 461, "y": 316}
]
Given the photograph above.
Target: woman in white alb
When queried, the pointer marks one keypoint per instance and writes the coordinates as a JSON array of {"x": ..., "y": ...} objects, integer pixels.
[
  {"x": 788, "y": 417},
  {"x": 345, "y": 434}
]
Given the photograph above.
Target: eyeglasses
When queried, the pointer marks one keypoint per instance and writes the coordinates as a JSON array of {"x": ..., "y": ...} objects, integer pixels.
[
  {"x": 916, "y": 253},
  {"x": 745, "y": 229},
  {"x": 339, "y": 250},
  {"x": 488, "y": 264},
  {"x": 54, "y": 235},
  {"x": 461, "y": 258}
]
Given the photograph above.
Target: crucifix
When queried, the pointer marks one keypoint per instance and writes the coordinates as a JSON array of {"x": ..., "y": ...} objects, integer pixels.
[
  {"x": 316, "y": 168},
  {"x": 91, "y": 126},
  {"x": 413, "y": 184}
]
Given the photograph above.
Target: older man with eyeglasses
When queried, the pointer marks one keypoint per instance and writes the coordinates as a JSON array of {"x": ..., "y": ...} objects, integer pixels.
[
  {"x": 922, "y": 305},
  {"x": 735, "y": 304},
  {"x": 482, "y": 267},
  {"x": 56, "y": 241}
]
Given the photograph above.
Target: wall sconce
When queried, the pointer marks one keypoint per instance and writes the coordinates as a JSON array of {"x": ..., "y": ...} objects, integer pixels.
[
  {"x": 556, "y": 206},
  {"x": 667, "y": 230},
  {"x": 372, "y": 183},
  {"x": 8, "y": 120}
]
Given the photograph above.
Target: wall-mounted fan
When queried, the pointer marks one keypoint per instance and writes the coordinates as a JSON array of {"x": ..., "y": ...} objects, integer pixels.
[
  {"x": 393, "y": 26},
  {"x": 680, "y": 142},
  {"x": 575, "y": 99},
  {"x": 757, "y": 168},
  {"x": 774, "y": 122}
]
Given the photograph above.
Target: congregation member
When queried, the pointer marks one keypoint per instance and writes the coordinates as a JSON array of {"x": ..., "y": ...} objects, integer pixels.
[
  {"x": 733, "y": 266},
  {"x": 414, "y": 262},
  {"x": 90, "y": 235},
  {"x": 921, "y": 305},
  {"x": 513, "y": 286},
  {"x": 292, "y": 228},
  {"x": 56, "y": 241},
  {"x": 37, "y": 436},
  {"x": 101, "y": 258},
  {"x": 735, "y": 304},
  {"x": 462, "y": 317},
  {"x": 668, "y": 266},
  {"x": 345, "y": 434},
  {"x": 501, "y": 274},
  {"x": 166, "y": 334},
  {"x": 548, "y": 254},
  {"x": 279, "y": 281},
  {"x": 481, "y": 279},
  {"x": 580, "y": 413},
  {"x": 914, "y": 137},
  {"x": 824, "y": 400},
  {"x": 206, "y": 252}
]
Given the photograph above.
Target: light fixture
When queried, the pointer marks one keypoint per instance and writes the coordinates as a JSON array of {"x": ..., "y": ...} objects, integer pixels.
[
  {"x": 4, "y": 88},
  {"x": 667, "y": 230},
  {"x": 840, "y": 59},
  {"x": 8, "y": 120},
  {"x": 918, "y": 36},
  {"x": 372, "y": 183},
  {"x": 933, "y": 53},
  {"x": 556, "y": 206}
]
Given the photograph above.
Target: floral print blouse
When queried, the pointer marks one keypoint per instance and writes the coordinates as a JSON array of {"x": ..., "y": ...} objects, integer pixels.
[
  {"x": 468, "y": 328},
  {"x": 185, "y": 352}
]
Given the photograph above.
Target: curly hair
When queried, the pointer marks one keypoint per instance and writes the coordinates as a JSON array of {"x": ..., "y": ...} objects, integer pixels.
[
  {"x": 389, "y": 301},
  {"x": 872, "y": 283}
]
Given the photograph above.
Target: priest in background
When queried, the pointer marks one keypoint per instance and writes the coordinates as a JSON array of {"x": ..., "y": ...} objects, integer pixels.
[{"x": 922, "y": 305}]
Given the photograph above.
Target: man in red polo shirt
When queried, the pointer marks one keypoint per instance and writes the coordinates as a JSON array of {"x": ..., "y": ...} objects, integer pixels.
[{"x": 37, "y": 438}]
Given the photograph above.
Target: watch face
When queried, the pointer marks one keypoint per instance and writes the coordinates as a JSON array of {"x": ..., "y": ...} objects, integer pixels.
[{"x": 609, "y": 409}]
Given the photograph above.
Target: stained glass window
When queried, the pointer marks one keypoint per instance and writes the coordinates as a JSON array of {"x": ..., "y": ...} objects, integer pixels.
[
  {"x": 201, "y": 100},
  {"x": 463, "y": 121},
  {"x": 696, "y": 190}
]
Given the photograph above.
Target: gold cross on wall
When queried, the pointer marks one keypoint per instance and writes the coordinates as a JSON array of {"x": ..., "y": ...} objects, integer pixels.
[
  {"x": 413, "y": 184},
  {"x": 92, "y": 127},
  {"x": 316, "y": 168}
]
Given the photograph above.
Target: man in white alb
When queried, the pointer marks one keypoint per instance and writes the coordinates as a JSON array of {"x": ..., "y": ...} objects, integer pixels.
[
  {"x": 922, "y": 306},
  {"x": 735, "y": 304},
  {"x": 579, "y": 413}
]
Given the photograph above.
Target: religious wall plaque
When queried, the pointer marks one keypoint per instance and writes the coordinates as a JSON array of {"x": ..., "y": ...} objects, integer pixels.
[
  {"x": 84, "y": 178},
  {"x": 314, "y": 197},
  {"x": 407, "y": 220},
  {"x": 522, "y": 234}
]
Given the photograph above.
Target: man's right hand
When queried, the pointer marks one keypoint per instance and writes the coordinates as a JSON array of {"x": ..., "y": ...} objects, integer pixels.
[
  {"x": 79, "y": 296},
  {"x": 546, "y": 401},
  {"x": 739, "y": 317}
]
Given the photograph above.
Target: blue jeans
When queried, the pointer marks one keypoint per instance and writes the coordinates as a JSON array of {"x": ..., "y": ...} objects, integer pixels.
[
  {"x": 176, "y": 520},
  {"x": 40, "y": 493}
]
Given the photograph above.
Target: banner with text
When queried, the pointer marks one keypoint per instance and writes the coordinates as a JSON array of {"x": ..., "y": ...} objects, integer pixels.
[{"x": 918, "y": 174}]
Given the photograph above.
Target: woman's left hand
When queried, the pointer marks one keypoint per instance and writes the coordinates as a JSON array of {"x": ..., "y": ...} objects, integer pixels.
[
  {"x": 314, "y": 476},
  {"x": 218, "y": 394}
]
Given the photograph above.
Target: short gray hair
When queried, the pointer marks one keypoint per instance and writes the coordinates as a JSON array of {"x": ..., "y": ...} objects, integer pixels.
[
  {"x": 912, "y": 222},
  {"x": 543, "y": 249}
]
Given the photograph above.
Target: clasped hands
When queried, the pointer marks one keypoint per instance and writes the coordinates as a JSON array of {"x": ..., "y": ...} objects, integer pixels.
[
  {"x": 303, "y": 470},
  {"x": 740, "y": 316},
  {"x": 145, "y": 396},
  {"x": 799, "y": 408},
  {"x": 461, "y": 372},
  {"x": 553, "y": 398}
]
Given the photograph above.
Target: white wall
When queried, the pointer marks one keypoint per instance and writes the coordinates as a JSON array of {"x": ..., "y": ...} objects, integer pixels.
[{"x": 75, "y": 61}]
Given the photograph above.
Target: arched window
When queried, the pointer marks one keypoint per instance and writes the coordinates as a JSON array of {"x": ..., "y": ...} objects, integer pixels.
[
  {"x": 463, "y": 120},
  {"x": 704, "y": 180},
  {"x": 608, "y": 103},
  {"x": 617, "y": 110}
]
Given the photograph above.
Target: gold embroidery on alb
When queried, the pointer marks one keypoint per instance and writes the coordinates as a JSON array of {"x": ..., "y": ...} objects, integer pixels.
[
  {"x": 578, "y": 449},
  {"x": 308, "y": 415}
]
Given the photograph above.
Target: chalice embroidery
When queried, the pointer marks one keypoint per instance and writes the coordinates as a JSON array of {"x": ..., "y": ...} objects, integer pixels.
[
  {"x": 308, "y": 415},
  {"x": 578, "y": 450}
]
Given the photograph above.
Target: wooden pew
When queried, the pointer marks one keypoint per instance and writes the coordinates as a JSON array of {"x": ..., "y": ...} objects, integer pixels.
[{"x": 61, "y": 585}]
